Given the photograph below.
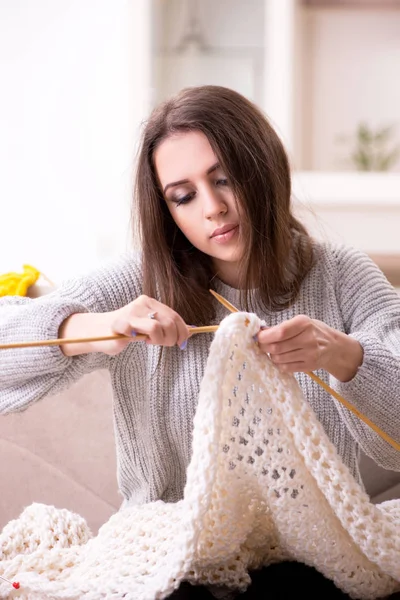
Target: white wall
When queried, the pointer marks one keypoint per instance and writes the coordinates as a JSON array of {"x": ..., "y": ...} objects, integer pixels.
[
  {"x": 351, "y": 73},
  {"x": 233, "y": 30},
  {"x": 75, "y": 86},
  {"x": 225, "y": 23}
]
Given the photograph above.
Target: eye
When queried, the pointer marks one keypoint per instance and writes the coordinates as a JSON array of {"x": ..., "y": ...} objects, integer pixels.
[
  {"x": 184, "y": 199},
  {"x": 222, "y": 181}
]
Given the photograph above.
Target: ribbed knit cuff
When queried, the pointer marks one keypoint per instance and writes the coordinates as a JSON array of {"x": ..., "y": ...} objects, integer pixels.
[
  {"x": 374, "y": 390},
  {"x": 36, "y": 320}
]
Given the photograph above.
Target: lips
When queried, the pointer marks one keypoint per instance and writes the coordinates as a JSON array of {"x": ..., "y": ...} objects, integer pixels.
[{"x": 224, "y": 229}]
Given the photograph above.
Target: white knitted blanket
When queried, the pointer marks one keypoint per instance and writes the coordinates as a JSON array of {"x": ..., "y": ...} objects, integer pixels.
[{"x": 264, "y": 485}]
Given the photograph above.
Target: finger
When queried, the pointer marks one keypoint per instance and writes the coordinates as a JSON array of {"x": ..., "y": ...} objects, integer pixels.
[
  {"x": 161, "y": 330},
  {"x": 183, "y": 331},
  {"x": 295, "y": 343},
  {"x": 284, "y": 331},
  {"x": 295, "y": 367},
  {"x": 150, "y": 327},
  {"x": 295, "y": 356},
  {"x": 168, "y": 329},
  {"x": 124, "y": 327},
  {"x": 174, "y": 327}
]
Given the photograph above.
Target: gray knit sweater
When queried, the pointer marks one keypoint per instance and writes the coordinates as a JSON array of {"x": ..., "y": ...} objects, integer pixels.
[{"x": 154, "y": 404}]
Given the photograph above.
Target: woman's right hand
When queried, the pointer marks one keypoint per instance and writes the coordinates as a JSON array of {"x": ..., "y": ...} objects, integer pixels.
[{"x": 167, "y": 328}]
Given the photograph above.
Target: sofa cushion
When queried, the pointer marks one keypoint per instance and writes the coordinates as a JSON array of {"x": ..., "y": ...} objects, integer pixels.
[{"x": 61, "y": 451}]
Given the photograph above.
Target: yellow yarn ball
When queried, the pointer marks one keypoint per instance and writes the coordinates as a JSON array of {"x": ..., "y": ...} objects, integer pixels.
[{"x": 17, "y": 284}]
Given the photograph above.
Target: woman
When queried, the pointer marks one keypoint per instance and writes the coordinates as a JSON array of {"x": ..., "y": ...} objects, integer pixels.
[{"x": 213, "y": 194}]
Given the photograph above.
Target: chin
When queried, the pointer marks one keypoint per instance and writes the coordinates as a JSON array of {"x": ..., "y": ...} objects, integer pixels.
[
  {"x": 227, "y": 255},
  {"x": 231, "y": 259}
]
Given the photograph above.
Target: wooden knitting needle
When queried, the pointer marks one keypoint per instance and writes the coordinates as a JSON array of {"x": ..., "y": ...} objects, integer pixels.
[
  {"x": 327, "y": 388},
  {"x": 61, "y": 341}
]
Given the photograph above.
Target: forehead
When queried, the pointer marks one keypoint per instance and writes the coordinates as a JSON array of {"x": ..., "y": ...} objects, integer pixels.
[{"x": 183, "y": 156}]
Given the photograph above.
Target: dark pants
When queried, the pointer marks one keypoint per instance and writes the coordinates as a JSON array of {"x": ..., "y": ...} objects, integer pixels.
[{"x": 282, "y": 581}]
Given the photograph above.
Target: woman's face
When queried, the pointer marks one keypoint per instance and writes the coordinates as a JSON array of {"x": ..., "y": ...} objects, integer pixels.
[{"x": 200, "y": 200}]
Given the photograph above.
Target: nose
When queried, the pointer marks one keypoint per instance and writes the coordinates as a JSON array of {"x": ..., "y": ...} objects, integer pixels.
[{"x": 213, "y": 204}]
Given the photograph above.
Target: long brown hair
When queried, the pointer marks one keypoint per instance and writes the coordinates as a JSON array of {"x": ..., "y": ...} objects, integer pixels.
[{"x": 278, "y": 251}]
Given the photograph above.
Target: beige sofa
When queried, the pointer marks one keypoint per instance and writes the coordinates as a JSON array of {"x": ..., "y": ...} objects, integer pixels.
[{"x": 61, "y": 452}]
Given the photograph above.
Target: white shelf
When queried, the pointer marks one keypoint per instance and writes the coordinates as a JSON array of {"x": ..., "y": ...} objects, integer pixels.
[
  {"x": 359, "y": 209},
  {"x": 362, "y": 190},
  {"x": 359, "y": 4}
]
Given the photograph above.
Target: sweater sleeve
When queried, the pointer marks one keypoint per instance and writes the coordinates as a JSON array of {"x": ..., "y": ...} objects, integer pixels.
[
  {"x": 29, "y": 374},
  {"x": 370, "y": 309}
]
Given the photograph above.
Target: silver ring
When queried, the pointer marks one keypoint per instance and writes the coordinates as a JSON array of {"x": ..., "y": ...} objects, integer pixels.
[{"x": 152, "y": 315}]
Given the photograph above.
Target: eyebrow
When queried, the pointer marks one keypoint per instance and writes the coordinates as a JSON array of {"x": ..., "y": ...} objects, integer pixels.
[{"x": 182, "y": 181}]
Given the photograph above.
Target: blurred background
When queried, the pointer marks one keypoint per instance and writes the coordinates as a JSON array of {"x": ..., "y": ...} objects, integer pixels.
[{"x": 79, "y": 77}]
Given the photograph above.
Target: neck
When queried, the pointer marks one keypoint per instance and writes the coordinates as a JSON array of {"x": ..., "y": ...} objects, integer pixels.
[{"x": 228, "y": 273}]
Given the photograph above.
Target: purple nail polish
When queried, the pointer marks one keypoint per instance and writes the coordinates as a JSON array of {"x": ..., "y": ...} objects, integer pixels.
[
  {"x": 183, "y": 345},
  {"x": 133, "y": 333}
]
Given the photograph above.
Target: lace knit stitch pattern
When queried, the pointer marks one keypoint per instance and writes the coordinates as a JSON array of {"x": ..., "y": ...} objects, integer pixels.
[{"x": 264, "y": 485}]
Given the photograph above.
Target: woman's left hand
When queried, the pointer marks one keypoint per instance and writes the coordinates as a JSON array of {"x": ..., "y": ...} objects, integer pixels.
[{"x": 304, "y": 344}]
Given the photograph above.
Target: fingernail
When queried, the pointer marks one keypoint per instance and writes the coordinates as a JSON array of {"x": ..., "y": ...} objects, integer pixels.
[
  {"x": 183, "y": 345},
  {"x": 255, "y": 337},
  {"x": 133, "y": 333}
]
